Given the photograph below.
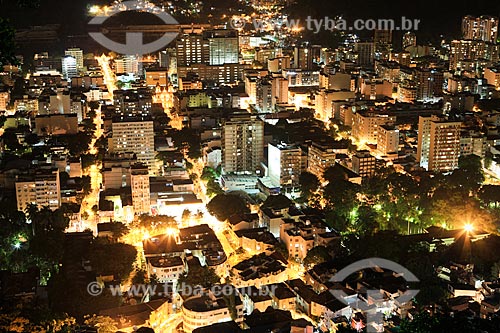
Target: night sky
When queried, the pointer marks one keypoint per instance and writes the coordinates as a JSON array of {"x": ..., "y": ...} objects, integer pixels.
[{"x": 438, "y": 17}]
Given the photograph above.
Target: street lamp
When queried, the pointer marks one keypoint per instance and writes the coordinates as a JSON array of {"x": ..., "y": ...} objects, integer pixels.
[{"x": 468, "y": 227}]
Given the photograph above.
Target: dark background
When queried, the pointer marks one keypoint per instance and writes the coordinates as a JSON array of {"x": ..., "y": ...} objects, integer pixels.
[{"x": 438, "y": 18}]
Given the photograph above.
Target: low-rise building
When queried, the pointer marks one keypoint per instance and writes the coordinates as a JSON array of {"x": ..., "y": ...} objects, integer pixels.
[
  {"x": 166, "y": 269},
  {"x": 301, "y": 236},
  {"x": 257, "y": 240},
  {"x": 207, "y": 308},
  {"x": 243, "y": 221},
  {"x": 282, "y": 296},
  {"x": 260, "y": 270},
  {"x": 363, "y": 163},
  {"x": 41, "y": 189}
]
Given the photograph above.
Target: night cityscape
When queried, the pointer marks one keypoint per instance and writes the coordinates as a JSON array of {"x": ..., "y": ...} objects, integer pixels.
[{"x": 249, "y": 166}]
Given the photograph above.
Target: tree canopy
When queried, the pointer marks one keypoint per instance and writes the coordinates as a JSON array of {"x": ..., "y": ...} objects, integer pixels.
[
  {"x": 200, "y": 276},
  {"x": 317, "y": 255},
  {"x": 309, "y": 183},
  {"x": 277, "y": 202},
  {"x": 7, "y": 45},
  {"x": 222, "y": 206},
  {"x": 112, "y": 259}
]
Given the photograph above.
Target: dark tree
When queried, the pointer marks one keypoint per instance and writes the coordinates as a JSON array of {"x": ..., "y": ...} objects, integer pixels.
[
  {"x": 48, "y": 234},
  {"x": 200, "y": 276},
  {"x": 277, "y": 202},
  {"x": 490, "y": 194},
  {"x": 140, "y": 277},
  {"x": 469, "y": 176},
  {"x": 213, "y": 188},
  {"x": 112, "y": 259},
  {"x": 152, "y": 222},
  {"x": 309, "y": 183},
  {"x": 317, "y": 255},
  {"x": 222, "y": 206},
  {"x": 7, "y": 45}
]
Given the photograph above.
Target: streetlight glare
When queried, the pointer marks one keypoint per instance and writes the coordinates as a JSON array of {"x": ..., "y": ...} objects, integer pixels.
[
  {"x": 469, "y": 227},
  {"x": 172, "y": 231},
  {"x": 94, "y": 10}
]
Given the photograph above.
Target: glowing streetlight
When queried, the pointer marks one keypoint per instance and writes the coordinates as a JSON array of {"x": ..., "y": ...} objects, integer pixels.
[
  {"x": 94, "y": 10},
  {"x": 17, "y": 245},
  {"x": 172, "y": 231},
  {"x": 468, "y": 227}
]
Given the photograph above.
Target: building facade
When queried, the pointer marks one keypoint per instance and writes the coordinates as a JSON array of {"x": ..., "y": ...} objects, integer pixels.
[
  {"x": 135, "y": 135},
  {"x": 284, "y": 165},
  {"x": 242, "y": 144},
  {"x": 43, "y": 189},
  {"x": 139, "y": 183},
  {"x": 438, "y": 144}
]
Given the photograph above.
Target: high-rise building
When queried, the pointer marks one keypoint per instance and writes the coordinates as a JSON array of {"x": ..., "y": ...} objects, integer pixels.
[
  {"x": 242, "y": 144},
  {"x": 429, "y": 83},
  {"x": 320, "y": 156},
  {"x": 78, "y": 55},
  {"x": 483, "y": 28},
  {"x": 467, "y": 51},
  {"x": 365, "y": 52},
  {"x": 303, "y": 57},
  {"x": 365, "y": 125},
  {"x": 227, "y": 73},
  {"x": 409, "y": 39},
  {"x": 278, "y": 64},
  {"x": 383, "y": 44},
  {"x": 284, "y": 165},
  {"x": 128, "y": 64},
  {"x": 438, "y": 144},
  {"x": 264, "y": 95},
  {"x": 139, "y": 183},
  {"x": 223, "y": 46},
  {"x": 491, "y": 74},
  {"x": 424, "y": 139},
  {"x": 42, "y": 189},
  {"x": 279, "y": 90},
  {"x": 69, "y": 67},
  {"x": 4, "y": 100},
  {"x": 388, "y": 140},
  {"x": 135, "y": 135},
  {"x": 133, "y": 102},
  {"x": 192, "y": 49},
  {"x": 363, "y": 163}
]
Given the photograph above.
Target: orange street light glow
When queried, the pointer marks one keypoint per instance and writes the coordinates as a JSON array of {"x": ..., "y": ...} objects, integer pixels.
[{"x": 469, "y": 227}]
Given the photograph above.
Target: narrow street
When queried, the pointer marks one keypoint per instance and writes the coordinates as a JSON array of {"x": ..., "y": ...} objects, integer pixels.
[{"x": 94, "y": 171}]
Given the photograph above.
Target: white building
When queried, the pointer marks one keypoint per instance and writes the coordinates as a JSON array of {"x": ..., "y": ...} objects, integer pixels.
[
  {"x": 78, "y": 55},
  {"x": 365, "y": 126},
  {"x": 388, "y": 140},
  {"x": 207, "y": 309},
  {"x": 166, "y": 269},
  {"x": 69, "y": 67},
  {"x": 284, "y": 165}
]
